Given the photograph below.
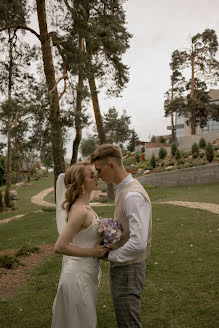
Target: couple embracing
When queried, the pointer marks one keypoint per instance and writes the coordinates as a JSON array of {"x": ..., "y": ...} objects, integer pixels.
[{"x": 79, "y": 241}]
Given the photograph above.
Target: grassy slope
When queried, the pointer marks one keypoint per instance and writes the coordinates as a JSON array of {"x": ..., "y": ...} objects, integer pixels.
[{"x": 25, "y": 192}]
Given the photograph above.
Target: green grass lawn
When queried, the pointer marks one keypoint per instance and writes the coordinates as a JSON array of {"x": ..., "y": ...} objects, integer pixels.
[
  {"x": 180, "y": 287},
  {"x": 207, "y": 193}
]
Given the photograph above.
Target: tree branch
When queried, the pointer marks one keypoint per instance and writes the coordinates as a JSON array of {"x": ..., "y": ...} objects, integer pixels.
[
  {"x": 68, "y": 6},
  {"x": 23, "y": 27}
]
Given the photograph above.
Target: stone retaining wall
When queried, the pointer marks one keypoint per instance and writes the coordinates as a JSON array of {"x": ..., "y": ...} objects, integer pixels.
[{"x": 183, "y": 177}]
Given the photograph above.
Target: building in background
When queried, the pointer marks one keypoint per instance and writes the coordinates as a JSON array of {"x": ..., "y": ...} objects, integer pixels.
[{"x": 184, "y": 130}]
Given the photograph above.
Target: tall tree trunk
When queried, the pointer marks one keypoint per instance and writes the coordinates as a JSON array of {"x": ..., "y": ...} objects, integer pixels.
[
  {"x": 78, "y": 128},
  {"x": 95, "y": 102},
  {"x": 98, "y": 117},
  {"x": 55, "y": 121},
  {"x": 8, "y": 177},
  {"x": 16, "y": 148},
  {"x": 193, "y": 116},
  {"x": 172, "y": 120}
]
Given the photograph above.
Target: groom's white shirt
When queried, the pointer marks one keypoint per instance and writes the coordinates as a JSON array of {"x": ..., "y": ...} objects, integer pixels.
[{"x": 137, "y": 210}]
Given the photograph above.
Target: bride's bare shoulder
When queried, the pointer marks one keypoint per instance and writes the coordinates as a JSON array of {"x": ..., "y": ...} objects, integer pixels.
[{"x": 78, "y": 209}]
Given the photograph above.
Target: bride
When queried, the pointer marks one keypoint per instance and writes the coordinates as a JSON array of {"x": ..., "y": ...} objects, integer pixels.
[{"x": 76, "y": 298}]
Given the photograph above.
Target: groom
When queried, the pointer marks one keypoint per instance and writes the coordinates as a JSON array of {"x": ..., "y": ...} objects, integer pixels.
[{"x": 127, "y": 259}]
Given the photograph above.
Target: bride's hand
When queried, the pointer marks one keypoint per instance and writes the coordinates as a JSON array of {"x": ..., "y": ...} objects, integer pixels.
[{"x": 99, "y": 250}]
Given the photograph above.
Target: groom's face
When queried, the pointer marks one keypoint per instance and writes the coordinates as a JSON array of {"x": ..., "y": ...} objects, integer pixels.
[{"x": 104, "y": 171}]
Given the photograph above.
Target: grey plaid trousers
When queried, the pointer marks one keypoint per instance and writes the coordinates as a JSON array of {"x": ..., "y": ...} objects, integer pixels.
[{"x": 126, "y": 284}]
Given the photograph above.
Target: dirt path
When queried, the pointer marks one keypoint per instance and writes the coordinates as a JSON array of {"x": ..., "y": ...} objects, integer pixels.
[
  {"x": 38, "y": 198},
  {"x": 214, "y": 208}
]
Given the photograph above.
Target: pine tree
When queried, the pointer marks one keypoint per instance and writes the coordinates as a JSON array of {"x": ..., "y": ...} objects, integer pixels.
[
  {"x": 153, "y": 161},
  {"x": 162, "y": 153},
  {"x": 209, "y": 152},
  {"x": 195, "y": 150},
  {"x": 202, "y": 143},
  {"x": 132, "y": 141},
  {"x": 200, "y": 58},
  {"x": 173, "y": 148}
]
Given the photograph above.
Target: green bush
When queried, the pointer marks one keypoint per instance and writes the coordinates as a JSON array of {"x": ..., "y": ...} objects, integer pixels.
[
  {"x": 153, "y": 161},
  {"x": 173, "y": 148},
  {"x": 7, "y": 198},
  {"x": 195, "y": 150},
  {"x": 137, "y": 158},
  {"x": 162, "y": 153},
  {"x": 202, "y": 143},
  {"x": 177, "y": 154},
  {"x": 209, "y": 152}
]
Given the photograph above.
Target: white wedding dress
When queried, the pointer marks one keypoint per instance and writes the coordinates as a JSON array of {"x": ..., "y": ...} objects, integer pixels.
[{"x": 76, "y": 299}]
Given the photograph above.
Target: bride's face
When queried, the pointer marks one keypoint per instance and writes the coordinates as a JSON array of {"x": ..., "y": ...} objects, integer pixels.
[{"x": 90, "y": 179}]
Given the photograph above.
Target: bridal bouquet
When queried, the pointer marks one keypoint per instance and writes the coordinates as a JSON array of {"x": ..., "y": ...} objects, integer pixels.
[{"x": 110, "y": 230}]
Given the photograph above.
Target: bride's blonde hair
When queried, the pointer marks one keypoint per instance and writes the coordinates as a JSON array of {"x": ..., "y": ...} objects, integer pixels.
[{"x": 74, "y": 181}]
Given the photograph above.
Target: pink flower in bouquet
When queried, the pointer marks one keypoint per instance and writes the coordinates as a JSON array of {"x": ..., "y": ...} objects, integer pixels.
[{"x": 110, "y": 230}]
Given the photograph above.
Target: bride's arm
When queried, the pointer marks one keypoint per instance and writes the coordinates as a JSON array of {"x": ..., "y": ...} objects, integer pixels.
[{"x": 72, "y": 227}]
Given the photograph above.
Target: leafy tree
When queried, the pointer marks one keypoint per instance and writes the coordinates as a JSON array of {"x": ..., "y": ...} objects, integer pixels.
[
  {"x": 153, "y": 161},
  {"x": 116, "y": 127},
  {"x": 202, "y": 143},
  {"x": 162, "y": 153},
  {"x": 209, "y": 152},
  {"x": 200, "y": 58},
  {"x": 173, "y": 148},
  {"x": 88, "y": 146},
  {"x": 44, "y": 38},
  {"x": 132, "y": 141},
  {"x": 195, "y": 150}
]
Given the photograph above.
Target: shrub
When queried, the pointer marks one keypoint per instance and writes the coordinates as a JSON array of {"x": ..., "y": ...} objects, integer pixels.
[
  {"x": 9, "y": 262},
  {"x": 162, "y": 153},
  {"x": 177, "y": 154},
  {"x": 195, "y": 150},
  {"x": 27, "y": 250},
  {"x": 162, "y": 139},
  {"x": 142, "y": 149},
  {"x": 209, "y": 152},
  {"x": 1, "y": 201},
  {"x": 173, "y": 148},
  {"x": 7, "y": 198},
  {"x": 137, "y": 158},
  {"x": 153, "y": 161},
  {"x": 202, "y": 143}
]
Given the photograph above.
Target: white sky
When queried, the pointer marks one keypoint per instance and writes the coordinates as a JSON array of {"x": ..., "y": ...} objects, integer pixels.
[{"x": 159, "y": 27}]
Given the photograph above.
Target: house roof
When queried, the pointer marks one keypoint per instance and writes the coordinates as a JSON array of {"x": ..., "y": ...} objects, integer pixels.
[{"x": 214, "y": 94}]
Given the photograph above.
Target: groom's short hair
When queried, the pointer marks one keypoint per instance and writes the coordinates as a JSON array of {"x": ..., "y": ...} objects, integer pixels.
[{"x": 107, "y": 152}]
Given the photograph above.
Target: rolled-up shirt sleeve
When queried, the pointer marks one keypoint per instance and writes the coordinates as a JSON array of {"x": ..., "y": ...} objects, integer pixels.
[{"x": 137, "y": 210}]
